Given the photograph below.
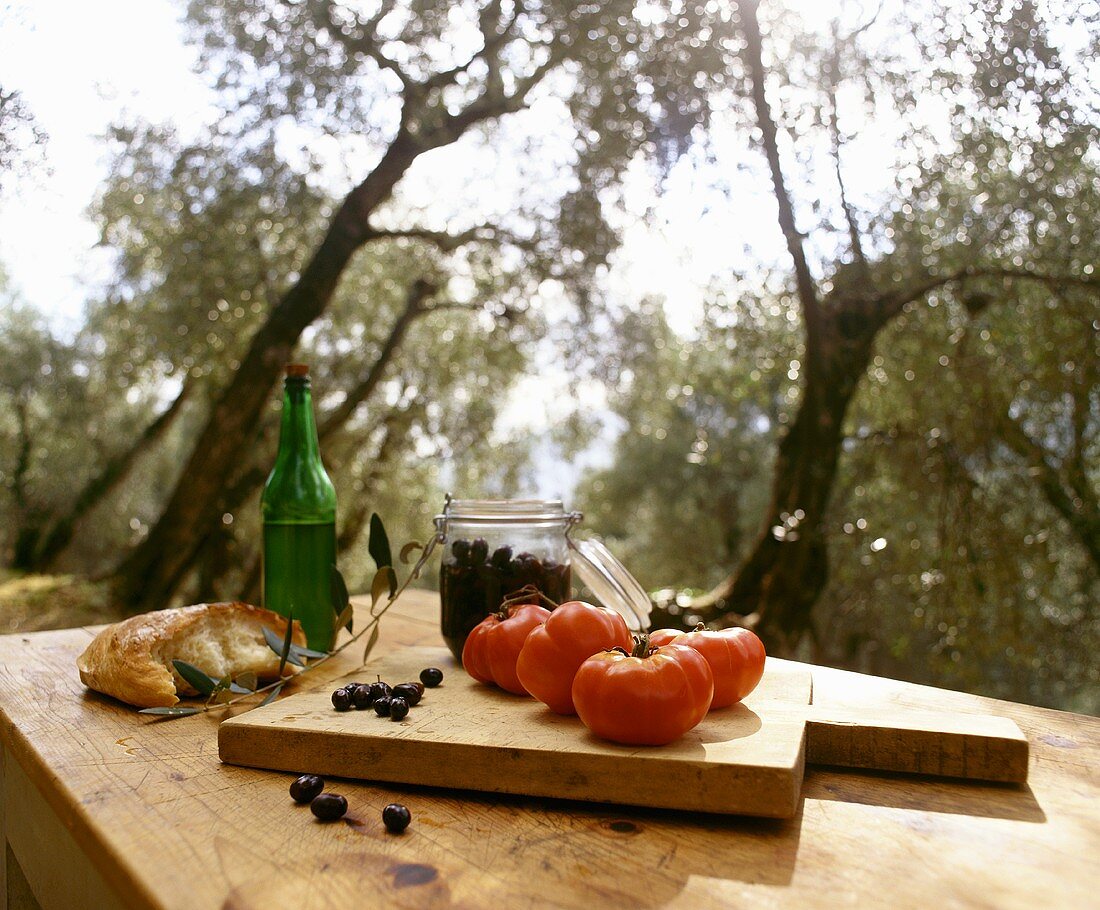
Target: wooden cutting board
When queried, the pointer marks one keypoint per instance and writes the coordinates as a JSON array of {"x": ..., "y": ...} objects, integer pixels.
[{"x": 746, "y": 760}]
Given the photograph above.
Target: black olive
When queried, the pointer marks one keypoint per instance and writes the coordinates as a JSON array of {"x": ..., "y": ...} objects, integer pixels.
[
  {"x": 382, "y": 706},
  {"x": 461, "y": 550},
  {"x": 362, "y": 697},
  {"x": 329, "y": 806},
  {"x": 398, "y": 708},
  {"x": 431, "y": 677},
  {"x": 381, "y": 689},
  {"x": 501, "y": 557},
  {"x": 479, "y": 551},
  {"x": 341, "y": 700},
  {"x": 396, "y": 818},
  {"x": 306, "y": 788},
  {"x": 409, "y": 692}
]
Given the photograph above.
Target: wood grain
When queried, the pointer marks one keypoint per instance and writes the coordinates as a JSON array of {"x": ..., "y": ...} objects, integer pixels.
[
  {"x": 168, "y": 826},
  {"x": 744, "y": 760},
  {"x": 937, "y": 743}
]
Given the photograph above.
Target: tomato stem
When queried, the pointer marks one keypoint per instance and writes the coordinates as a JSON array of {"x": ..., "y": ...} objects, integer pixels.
[
  {"x": 523, "y": 596},
  {"x": 701, "y": 627},
  {"x": 641, "y": 645}
]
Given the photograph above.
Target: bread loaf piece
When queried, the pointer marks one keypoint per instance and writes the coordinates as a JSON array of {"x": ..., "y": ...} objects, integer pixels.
[{"x": 132, "y": 660}]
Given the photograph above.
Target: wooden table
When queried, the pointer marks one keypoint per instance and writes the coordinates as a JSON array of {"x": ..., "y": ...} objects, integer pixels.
[{"x": 105, "y": 808}]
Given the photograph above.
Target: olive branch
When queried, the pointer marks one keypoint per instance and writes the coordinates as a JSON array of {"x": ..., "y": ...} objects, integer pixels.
[{"x": 384, "y": 590}]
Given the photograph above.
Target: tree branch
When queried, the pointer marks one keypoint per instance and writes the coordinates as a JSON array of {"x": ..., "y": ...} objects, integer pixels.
[
  {"x": 420, "y": 291},
  {"x": 448, "y": 242},
  {"x": 1080, "y": 281},
  {"x": 859, "y": 30},
  {"x": 364, "y": 38},
  {"x": 807, "y": 289},
  {"x": 1078, "y": 506},
  {"x": 102, "y": 484},
  {"x": 444, "y": 240},
  {"x": 493, "y": 36},
  {"x": 889, "y": 305},
  {"x": 854, "y": 239}
]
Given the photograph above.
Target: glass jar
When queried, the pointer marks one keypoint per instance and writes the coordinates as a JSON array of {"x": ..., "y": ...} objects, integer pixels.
[{"x": 495, "y": 548}]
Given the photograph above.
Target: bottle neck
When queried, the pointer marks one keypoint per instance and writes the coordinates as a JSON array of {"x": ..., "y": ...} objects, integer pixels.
[{"x": 298, "y": 433}]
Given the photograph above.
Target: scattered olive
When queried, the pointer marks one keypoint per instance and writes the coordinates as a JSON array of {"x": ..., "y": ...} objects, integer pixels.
[
  {"x": 329, "y": 806},
  {"x": 306, "y": 788},
  {"x": 341, "y": 700},
  {"x": 398, "y": 708},
  {"x": 419, "y": 686},
  {"x": 409, "y": 692},
  {"x": 396, "y": 818},
  {"x": 382, "y": 706},
  {"x": 431, "y": 677},
  {"x": 362, "y": 696},
  {"x": 381, "y": 689}
]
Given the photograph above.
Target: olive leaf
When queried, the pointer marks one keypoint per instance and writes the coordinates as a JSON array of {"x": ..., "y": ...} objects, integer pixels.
[
  {"x": 281, "y": 646},
  {"x": 406, "y": 551},
  {"x": 379, "y": 546},
  {"x": 384, "y": 579},
  {"x": 171, "y": 712},
  {"x": 371, "y": 642},
  {"x": 244, "y": 683},
  {"x": 272, "y": 695},
  {"x": 203, "y": 684},
  {"x": 341, "y": 600},
  {"x": 344, "y": 620},
  {"x": 299, "y": 651}
]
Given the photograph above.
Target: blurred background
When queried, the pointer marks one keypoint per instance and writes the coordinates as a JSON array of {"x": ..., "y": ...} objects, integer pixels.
[{"x": 797, "y": 300}]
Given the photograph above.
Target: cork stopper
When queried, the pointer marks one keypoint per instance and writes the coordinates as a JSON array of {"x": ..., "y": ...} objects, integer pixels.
[{"x": 297, "y": 370}]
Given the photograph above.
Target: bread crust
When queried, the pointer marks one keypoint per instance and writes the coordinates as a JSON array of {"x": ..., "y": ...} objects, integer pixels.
[{"x": 131, "y": 660}]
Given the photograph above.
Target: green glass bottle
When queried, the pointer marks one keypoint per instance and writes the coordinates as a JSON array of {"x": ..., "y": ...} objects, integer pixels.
[{"x": 299, "y": 516}]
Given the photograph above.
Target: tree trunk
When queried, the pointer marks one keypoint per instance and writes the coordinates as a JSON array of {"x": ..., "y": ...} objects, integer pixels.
[
  {"x": 151, "y": 573},
  {"x": 777, "y": 584},
  {"x": 214, "y": 563},
  {"x": 28, "y": 525},
  {"x": 62, "y": 529}
]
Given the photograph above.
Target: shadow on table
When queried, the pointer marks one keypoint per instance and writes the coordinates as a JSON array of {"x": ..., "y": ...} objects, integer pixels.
[
  {"x": 900, "y": 791},
  {"x": 627, "y": 856}
]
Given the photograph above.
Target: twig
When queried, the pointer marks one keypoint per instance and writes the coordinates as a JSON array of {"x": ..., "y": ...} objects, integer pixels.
[{"x": 413, "y": 575}]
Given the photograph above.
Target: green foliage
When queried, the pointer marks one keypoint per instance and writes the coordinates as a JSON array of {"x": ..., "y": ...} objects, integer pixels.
[
  {"x": 20, "y": 137},
  {"x": 953, "y": 561}
]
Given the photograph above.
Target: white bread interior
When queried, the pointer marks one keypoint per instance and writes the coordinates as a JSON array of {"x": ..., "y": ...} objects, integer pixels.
[{"x": 132, "y": 660}]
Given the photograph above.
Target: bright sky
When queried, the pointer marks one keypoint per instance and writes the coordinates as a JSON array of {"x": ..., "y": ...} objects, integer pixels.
[{"x": 78, "y": 71}]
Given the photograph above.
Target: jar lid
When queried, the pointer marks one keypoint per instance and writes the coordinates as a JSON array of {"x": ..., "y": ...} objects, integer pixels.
[
  {"x": 505, "y": 511},
  {"x": 611, "y": 582}
]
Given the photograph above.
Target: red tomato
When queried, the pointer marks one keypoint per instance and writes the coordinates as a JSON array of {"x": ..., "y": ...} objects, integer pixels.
[
  {"x": 492, "y": 648},
  {"x": 554, "y": 652},
  {"x": 643, "y": 701},
  {"x": 663, "y": 637},
  {"x": 736, "y": 658}
]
